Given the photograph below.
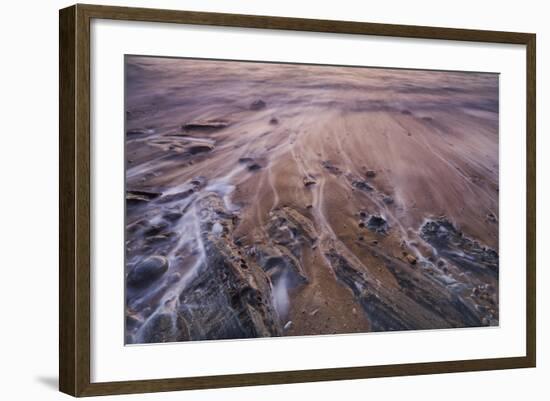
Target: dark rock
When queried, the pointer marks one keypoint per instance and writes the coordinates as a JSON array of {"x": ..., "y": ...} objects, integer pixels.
[
  {"x": 382, "y": 314},
  {"x": 377, "y": 224},
  {"x": 138, "y": 196},
  {"x": 156, "y": 229},
  {"x": 254, "y": 167},
  {"x": 453, "y": 245},
  {"x": 205, "y": 125},
  {"x": 273, "y": 121},
  {"x": 331, "y": 168},
  {"x": 252, "y": 163},
  {"x": 388, "y": 200},
  {"x": 196, "y": 149},
  {"x": 132, "y": 321},
  {"x": 147, "y": 271},
  {"x": 161, "y": 328},
  {"x": 291, "y": 230},
  {"x": 362, "y": 185},
  {"x": 137, "y": 226},
  {"x": 427, "y": 296},
  {"x": 370, "y": 173},
  {"x": 172, "y": 216},
  {"x": 491, "y": 218},
  {"x": 410, "y": 259},
  {"x": 198, "y": 182},
  {"x": 257, "y": 105},
  {"x": 230, "y": 287},
  {"x": 155, "y": 239},
  {"x": 309, "y": 181},
  {"x": 139, "y": 131}
]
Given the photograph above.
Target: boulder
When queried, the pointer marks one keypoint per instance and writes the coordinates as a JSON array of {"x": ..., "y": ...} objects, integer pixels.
[{"x": 147, "y": 271}]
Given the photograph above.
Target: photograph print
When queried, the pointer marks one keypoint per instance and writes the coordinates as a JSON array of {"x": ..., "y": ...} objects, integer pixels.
[{"x": 276, "y": 199}]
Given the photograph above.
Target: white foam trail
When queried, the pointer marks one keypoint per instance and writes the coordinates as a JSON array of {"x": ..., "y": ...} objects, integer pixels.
[
  {"x": 281, "y": 300},
  {"x": 271, "y": 181},
  {"x": 196, "y": 139},
  {"x": 224, "y": 190}
]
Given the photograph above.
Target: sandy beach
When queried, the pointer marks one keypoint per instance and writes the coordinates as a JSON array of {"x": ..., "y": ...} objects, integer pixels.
[{"x": 283, "y": 200}]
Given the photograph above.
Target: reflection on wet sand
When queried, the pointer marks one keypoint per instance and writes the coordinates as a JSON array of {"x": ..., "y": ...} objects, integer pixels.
[{"x": 280, "y": 200}]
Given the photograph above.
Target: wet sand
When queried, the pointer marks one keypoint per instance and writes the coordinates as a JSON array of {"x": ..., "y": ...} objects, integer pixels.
[{"x": 271, "y": 200}]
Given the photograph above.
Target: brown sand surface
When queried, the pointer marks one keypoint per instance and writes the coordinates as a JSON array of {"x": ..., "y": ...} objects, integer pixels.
[{"x": 299, "y": 200}]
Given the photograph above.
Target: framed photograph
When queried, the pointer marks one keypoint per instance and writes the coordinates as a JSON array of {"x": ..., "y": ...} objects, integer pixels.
[{"x": 250, "y": 200}]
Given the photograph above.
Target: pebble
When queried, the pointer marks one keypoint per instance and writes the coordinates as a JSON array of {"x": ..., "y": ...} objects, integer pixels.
[
  {"x": 388, "y": 200},
  {"x": 254, "y": 167},
  {"x": 257, "y": 105},
  {"x": 308, "y": 181}
]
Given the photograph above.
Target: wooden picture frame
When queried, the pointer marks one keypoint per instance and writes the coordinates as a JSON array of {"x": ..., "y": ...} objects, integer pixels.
[{"x": 74, "y": 203}]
